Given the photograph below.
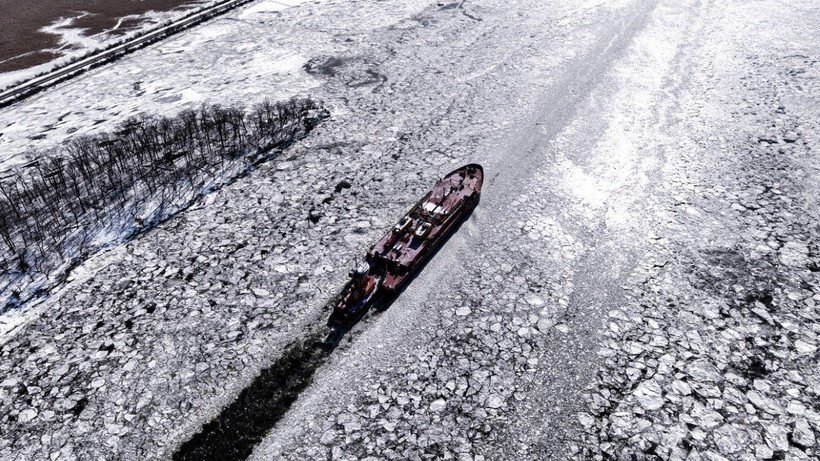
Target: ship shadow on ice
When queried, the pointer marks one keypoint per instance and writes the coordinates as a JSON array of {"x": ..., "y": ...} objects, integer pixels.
[
  {"x": 422, "y": 233},
  {"x": 233, "y": 434}
]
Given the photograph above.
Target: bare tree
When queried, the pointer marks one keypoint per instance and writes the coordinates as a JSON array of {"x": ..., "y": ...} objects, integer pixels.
[{"x": 147, "y": 167}]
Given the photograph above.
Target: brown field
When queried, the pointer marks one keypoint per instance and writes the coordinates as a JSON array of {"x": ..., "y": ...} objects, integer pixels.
[{"x": 22, "y": 44}]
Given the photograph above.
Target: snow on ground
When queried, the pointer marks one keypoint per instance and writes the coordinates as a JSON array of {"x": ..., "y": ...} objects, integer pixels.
[
  {"x": 270, "y": 6},
  {"x": 226, "y": 60}
]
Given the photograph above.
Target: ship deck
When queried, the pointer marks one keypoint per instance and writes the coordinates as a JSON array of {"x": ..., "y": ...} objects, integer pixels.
[{"x": 413, "y": 236}]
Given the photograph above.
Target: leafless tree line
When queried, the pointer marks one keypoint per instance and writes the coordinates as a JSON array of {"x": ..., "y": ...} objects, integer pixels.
[{"x": 52, "y": 208}]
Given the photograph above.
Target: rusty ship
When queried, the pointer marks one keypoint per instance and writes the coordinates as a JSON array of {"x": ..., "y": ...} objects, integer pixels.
[{"x": 395, "y": 259}]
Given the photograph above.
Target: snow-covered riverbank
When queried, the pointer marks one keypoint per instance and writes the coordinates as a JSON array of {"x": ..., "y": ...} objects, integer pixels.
[{"x": 99, "y": 100}]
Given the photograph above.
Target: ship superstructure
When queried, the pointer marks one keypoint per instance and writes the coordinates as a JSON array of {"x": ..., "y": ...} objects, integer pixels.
[{"x": 393, "y": 261}]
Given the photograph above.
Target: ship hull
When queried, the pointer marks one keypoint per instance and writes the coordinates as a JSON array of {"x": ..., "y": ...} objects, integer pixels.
[
  {"x": 401, "y": 284},
  {"x": 397, "y": 258}
]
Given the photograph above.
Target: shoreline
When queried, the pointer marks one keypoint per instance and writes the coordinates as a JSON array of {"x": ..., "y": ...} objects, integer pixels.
[{"x": 38, "y": 37}]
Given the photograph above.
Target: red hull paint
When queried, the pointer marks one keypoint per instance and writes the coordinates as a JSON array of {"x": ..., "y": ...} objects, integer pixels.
[
  {"x": 422, "y": 230},
  {"x": 395, "y": 258}
]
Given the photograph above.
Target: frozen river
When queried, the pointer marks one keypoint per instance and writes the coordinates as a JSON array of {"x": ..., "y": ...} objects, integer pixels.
[{"x": 640, "y": 281}]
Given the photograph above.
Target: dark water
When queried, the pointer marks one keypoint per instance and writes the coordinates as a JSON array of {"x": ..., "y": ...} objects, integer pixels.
[
  {"x": 244, "y": 423},
  {"x": 23, "y": 46}
]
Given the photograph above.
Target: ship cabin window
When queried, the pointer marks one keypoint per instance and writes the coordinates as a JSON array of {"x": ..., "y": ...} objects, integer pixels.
[
  {"x": 422, "y": 230},
  {"x": 402, "y": 225}
]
